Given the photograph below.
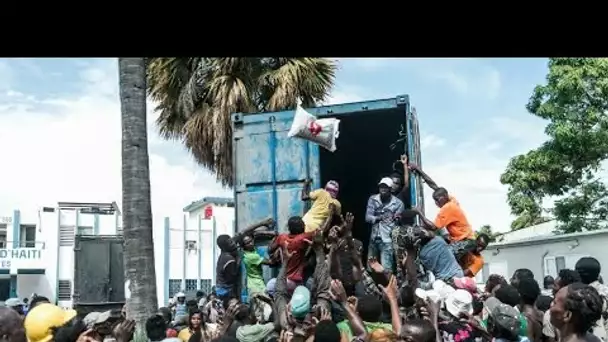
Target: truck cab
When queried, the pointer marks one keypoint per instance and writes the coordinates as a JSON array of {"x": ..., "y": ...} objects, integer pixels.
[{"x": 270, "y": 168}]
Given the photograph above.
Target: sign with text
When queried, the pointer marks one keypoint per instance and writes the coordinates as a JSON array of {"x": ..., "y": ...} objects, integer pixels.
[
  {"x": 6, "y": 219},
  {"x": 11, "y": 256}
]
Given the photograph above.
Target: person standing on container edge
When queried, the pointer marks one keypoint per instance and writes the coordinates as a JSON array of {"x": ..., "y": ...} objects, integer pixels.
[
  {"x": 451, "y": 218},
  {"x": 227, "y": 268},
  {"x": 383, "y": 212},
  {"x": 320, "y": 209}
]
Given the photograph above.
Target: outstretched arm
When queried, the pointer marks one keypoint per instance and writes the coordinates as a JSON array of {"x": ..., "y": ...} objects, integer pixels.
[
  {"x": 428, "y": 224},
  {"x": 406, "y": 175},
  {"x": 429, "y": 181},
  {"x": 305, "y": 196},
  {"x": 369, "y": 212},
  {"x": 266, "y": 222}
]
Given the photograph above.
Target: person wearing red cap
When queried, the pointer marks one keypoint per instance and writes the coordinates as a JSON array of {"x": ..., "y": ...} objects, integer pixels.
[{"x": 466, "y": 283}]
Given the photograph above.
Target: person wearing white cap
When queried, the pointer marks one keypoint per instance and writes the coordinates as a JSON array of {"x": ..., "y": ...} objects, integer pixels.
[
  {"x": 15, "y": 304},
  {"x": 180, "y": 304},
  {"x": 383, "y": 213}
]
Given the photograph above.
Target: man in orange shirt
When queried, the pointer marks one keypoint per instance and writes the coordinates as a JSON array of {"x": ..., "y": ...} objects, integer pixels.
[
  {"x": 473, "y": 262},
  {"x": 451, "y": 221}
]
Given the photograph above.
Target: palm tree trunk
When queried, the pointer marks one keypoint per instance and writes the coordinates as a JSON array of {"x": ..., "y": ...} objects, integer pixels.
[{"x": 136, "y": 204}]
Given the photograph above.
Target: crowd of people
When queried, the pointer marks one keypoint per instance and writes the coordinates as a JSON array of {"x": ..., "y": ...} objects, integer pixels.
[{"x": 415, "y": 284}]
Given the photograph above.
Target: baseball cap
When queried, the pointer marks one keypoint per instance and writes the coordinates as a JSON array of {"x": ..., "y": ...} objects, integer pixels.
[
  {"x": 466, "y": 283},
  {"x": 270, "y": 286},
  {"x": 41, "y": 321},
  {"x": 96, "y": 318},
  {"x": 180, "y": 294},
  {"x": 427, "y": 294},
  {"x": 459, "y": 301},
  {"x": 90, "y": 319},
  {"x": 386, "y": 181},
  {"x": 12, "y": 302},
  {"x": 503, "y": 315},
  {"x": 443, "y": 289},
  {"x": 300, "y": 302}
]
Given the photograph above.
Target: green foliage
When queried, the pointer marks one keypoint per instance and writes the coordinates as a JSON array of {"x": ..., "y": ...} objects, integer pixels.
[
  {"x": 575, "y": 101},
  {"x": 487, "y": 229}
]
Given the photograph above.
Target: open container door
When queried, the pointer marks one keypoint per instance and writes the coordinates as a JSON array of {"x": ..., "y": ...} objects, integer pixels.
[
  {"x": 415, "y": 155},
  {"x": 270, "y": 170}
]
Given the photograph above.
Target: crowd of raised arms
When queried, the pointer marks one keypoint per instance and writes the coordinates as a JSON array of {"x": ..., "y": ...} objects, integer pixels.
[{"x": 416, "y": 284}]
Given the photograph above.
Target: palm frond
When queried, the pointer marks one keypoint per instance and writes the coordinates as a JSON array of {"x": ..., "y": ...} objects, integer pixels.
[
  {"x": 308, "y": 79},
  {"x": 196, "y": 97},
  {"x": 166, "y": 78}
]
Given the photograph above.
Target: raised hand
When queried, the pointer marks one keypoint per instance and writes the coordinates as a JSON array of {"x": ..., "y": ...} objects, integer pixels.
[
  {"x": 390, "y": 291},
  {"x": 375, "y": 265},
  {"x": 337, "y": 292},
  {"x": 348, "y": 221},
  {"x": 269, "y": 222},
  {"x": 286, "y": 253}
]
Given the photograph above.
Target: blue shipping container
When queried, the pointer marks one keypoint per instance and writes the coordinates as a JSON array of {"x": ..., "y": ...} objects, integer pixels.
[{"x": 270, "y": 168}]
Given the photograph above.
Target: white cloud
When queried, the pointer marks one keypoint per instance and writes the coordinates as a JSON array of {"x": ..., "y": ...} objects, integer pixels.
[
  {"x": 371, "y": 64},
  {"x": 466, "y": 76},
  {"x": 430, "y": 141},
  {"x": 69, "y": 149},
  {"x": 470, "y": 169},
  {"x": 344, "y": 96}
]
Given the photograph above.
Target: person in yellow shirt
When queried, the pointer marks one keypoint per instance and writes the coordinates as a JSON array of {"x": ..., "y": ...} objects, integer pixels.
[{"x": 320, "y": 209}]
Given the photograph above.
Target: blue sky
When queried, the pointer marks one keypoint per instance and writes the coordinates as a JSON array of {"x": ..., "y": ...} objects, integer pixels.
[{"x": 60, "y": 129}]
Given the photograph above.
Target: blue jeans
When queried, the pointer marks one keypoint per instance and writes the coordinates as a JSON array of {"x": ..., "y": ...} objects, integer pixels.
[{"x": 383, "y": 251}]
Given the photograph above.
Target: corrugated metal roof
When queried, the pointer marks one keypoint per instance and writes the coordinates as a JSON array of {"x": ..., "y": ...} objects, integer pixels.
[
  {"x": 543, "y": 229},
  {"x": 207, "y": 200},
  {"x": 546, "y": 238}
]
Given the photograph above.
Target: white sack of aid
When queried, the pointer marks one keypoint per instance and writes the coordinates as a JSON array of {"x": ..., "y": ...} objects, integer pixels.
[{"x": 323, "y": 132}]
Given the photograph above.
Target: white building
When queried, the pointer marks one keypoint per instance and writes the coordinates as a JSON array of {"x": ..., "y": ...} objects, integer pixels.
[
  {"x": 37, "y": 247},
  {"x": 543, "y": 252},
  {"x": 189, "y": 253}
]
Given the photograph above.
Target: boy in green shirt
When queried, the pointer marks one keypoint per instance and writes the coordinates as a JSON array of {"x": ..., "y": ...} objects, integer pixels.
[{"x": 253, "y": 267}]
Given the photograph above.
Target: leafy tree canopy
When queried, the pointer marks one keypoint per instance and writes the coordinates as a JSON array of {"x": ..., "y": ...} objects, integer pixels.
[
  {"x": 575, "y": 102},
  {"x": 487, "y": 229}
]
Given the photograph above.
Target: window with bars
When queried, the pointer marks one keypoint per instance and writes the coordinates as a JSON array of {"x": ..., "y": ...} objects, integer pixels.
[
  {"x": 175, "y": 285},
  {"x": 206, "y": 285},
  {"x": 65, "y": 290},
  {"x": 2, "y": 239},
  {"x": 191, "y": 285},
  {"x": 27, "y": 235}
]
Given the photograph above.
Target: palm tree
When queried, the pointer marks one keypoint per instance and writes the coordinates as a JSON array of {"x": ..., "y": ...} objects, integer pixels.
[
  {"x": 136, "y": 204},
  {"x": 196, "y": 97}
]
